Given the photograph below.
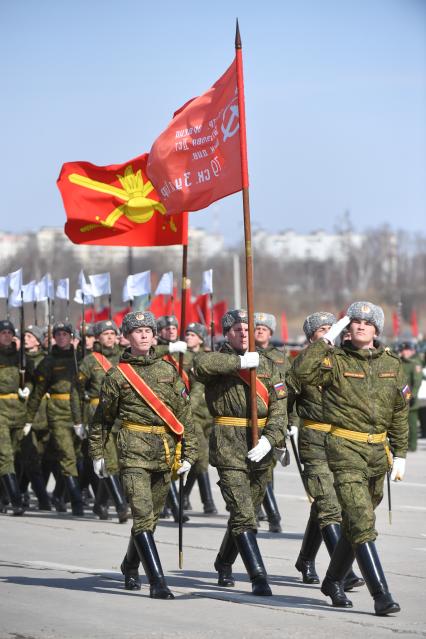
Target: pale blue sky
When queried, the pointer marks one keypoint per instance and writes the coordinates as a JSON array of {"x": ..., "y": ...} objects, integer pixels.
[{"x": 335, "y": 100}]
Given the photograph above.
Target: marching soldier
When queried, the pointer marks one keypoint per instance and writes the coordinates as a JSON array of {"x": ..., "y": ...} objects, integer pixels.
[
  {"x": 147, "y": 396},
  {"x": 365, "y": 401},
  {"x": 243, "y": 471},
  {"x": 195, "y": 337},
  {"x": 325, "y": 516},
  {"x": 55, "y": 375},
  {"x": 34, "y": 445},
  {"x": 414, "y": 373},
  {"x": 92, "y": 370},
  {"x": 12, "y": 414},
  {"x": 167, "y": 329},
  {"x": 265, "y": 325}
]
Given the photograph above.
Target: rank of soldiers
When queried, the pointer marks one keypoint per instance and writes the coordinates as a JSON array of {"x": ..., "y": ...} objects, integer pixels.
[{"x": 137, "y": 409}]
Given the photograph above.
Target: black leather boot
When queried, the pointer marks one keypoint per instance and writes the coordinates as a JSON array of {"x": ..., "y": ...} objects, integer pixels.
[
  {"x": 39, "y": 488},
  {"x": 116, "y": 493},
  {"x": 147, "y": 551},
  {"x": 11, "y": 487},
  {"x": 331, "y": 535},
  {"x": 100, "y": 507},
  {"x": 57, "y": 497},
  {"x": 341, "y": 561},
  {"x": 227, "y": 554},
  {"x": 129, "y": 567},
  {"x": 74, "y": 491},
  {"x": 271, "y": 509},
  {"x": 173, "y": 503},
  {"x": 206, "y": 494},
  {"x": 250, "y": 554},
  {"x": 189, "y": 484},
  {"x": 310, "y": 545},
  {"x": 372, "y": 571}
]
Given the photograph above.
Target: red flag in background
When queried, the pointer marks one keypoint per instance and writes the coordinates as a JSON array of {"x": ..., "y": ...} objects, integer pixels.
[
  {"x": 395, "y": 324},
  {"x": 219, "y": 310},
  {"x": 158, "y": 305},
  {"x": 196, "y": 160},
  {"x": 414, "y": 324},
  {"x": 118, "y": 317},
  {"x": 203, "y": 309},
  {"x": 284, "y": 327},
  {"x": 117, "y": 205},
  {"x": 91, "y": 316}
]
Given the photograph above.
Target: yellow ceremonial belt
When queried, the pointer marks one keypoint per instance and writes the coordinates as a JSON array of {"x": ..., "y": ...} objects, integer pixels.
[
  {"x": 156, "y": 430},
  {"x": 240, "y": 422},
  {"x": 354, "y": 436},
  {"x": 60, "y": 396},
  {"x": 9, "y": 396},
  {"x": 324, "y": 428},
  {"x": 94, "y": 401}
]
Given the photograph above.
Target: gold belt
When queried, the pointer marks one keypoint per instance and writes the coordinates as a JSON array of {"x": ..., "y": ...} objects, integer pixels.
[
  {"x": 60, "y": 396},
  {"x": 240, "y": 422},
  {"x": 94, "y": 401},
  {"x": 324, "y": 428},
  {"x": 144, "y": 428},
  {"x": 354, "y": 436},
  {"x": 9, "y": 396}
]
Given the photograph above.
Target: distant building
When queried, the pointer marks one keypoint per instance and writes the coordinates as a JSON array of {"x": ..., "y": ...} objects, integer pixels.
[{"x": 319, "y": 245}]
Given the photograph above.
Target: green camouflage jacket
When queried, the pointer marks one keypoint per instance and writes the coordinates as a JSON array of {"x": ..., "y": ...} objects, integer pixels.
[
  {"x": 55, "y": 374},
  {"x": 228, "y": 396},
  {"x": 414, "y": 373},
  {"x": 12, "y": 410},
  {"x": 33, "y": 360},
  {"x": 363, "y": 390},
  {"x": 279, "y": 358},
  {"x": 119, "y": 400}
]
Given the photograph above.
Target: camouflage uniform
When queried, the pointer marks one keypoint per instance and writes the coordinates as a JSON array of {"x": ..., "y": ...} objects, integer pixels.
[
  {"x": 145, "y": 458},
  {"x": 12, "y": 409},
  {"x": 35, "y": 444},
  {"x": 242, "y": 483},
  {"x": 362, "y": 392}
]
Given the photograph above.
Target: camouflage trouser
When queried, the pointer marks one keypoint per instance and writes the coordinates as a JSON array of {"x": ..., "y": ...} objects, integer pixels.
[
  {"x": 111, "y": 454},
  {"x": 243, "y": 492},
  {"x": 10, "y": 440},
  {"x": 202, "y": 463},
  {"x": 359, "y": 470},
  {"x": 318, "y": 480},
  {"x": 33, "y": 447},
  {"x": 413, "y": 419},
  {"x": 146, "y": 492},
  {"x": 66, "y": 446}
]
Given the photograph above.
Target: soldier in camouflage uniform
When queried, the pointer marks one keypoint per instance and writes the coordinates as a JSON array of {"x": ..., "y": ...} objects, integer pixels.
[
  {"x": 55, "y": 375},
  {"x": 34, "y": 445},
  {"x": 85, "y": 393},
  {"x": 243, "y": 471},
  {"x": 12, "y": 414},
  {"x": 413, "y": 369},
  {"x": 195, "y": 337},
  {"x": 265, "y": 325},
  {"x": 325, "y": 516},
  {"x": 365, "y": 401},
  {"x": 146, "y": 442}
]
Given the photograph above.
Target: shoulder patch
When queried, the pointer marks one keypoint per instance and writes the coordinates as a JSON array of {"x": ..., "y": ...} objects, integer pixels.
[
  {"x": 326, "y": 362},
  {"x": 406, "y": 393},
  {"x": 184, "y": 393},
  {"x": 280, "y": 390}
]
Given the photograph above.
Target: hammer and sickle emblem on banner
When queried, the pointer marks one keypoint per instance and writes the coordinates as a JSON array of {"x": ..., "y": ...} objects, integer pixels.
[{"x": 230, "y": 120}]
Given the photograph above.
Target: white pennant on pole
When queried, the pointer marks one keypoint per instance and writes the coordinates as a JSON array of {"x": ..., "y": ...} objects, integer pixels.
[
  {"x": 136, "y": 285},
  {"x": 100, "y": 284},
  {"x": 207, "y": 283},
  {"x": 165, "y": 285},
  {"x": 4, "y": 286},
  {"x": 63, "y": 289}
]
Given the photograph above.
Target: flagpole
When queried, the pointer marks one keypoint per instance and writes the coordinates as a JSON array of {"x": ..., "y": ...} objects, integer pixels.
[
  {"x": 68, "y": 309},
  {"x": 35, "y": 311},
  {"x": 211, "y": 323},
  {"x": 247, "y": 229},
  {"x": 110, "y": 309}
]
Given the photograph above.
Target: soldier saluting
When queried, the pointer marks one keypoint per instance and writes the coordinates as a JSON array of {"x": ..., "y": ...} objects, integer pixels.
[
  {"x": 243, "y": 471},
  {"x": 365, "y": 401},
  {"x": 149, "y": 398}
]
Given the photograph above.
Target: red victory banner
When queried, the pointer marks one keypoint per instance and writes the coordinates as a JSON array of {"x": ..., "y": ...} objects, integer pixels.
[
  {"x": 117, "y": 205},
  {"x": 197, "y": 159}
]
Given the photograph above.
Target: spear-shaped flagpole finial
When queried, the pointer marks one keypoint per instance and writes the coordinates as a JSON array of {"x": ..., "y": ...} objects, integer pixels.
[{"x": 238, "y": 44}]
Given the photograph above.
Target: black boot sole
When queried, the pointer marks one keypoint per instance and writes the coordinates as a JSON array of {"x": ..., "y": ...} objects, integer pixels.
[
  {"x": 338, "y": 599},
  {"x": 307, "y": 577},
  {"x": 260, "y": 587}
]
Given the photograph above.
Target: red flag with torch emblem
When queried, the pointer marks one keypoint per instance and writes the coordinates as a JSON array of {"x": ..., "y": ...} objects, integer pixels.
[{"x": 117, "y": 205}]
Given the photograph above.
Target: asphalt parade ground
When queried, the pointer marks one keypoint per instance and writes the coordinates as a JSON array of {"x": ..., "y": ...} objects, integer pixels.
[{"x": 60, "y": 576}]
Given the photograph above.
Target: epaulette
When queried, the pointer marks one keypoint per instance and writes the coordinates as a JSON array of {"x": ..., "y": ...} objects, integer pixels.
[{"x": 390, "y": 352}]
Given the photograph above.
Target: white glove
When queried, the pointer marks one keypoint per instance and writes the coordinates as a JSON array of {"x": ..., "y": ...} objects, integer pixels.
[
  {"x": 99, "y": 468},
  {"x": 249, "y": 360},
  {"x": 292, "y": 430},
  {"x": 336, "y": 329},
  {"x": 178, "y": 347},
  {"x": 24, "y": 393},
  {"x": 260, "y": 450},
  {"x": 27, "y": 429},
  {"x": 80, "y": 431},
  {"x": 398, "y": 469},
  {"x": 184, "y": 470}
]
